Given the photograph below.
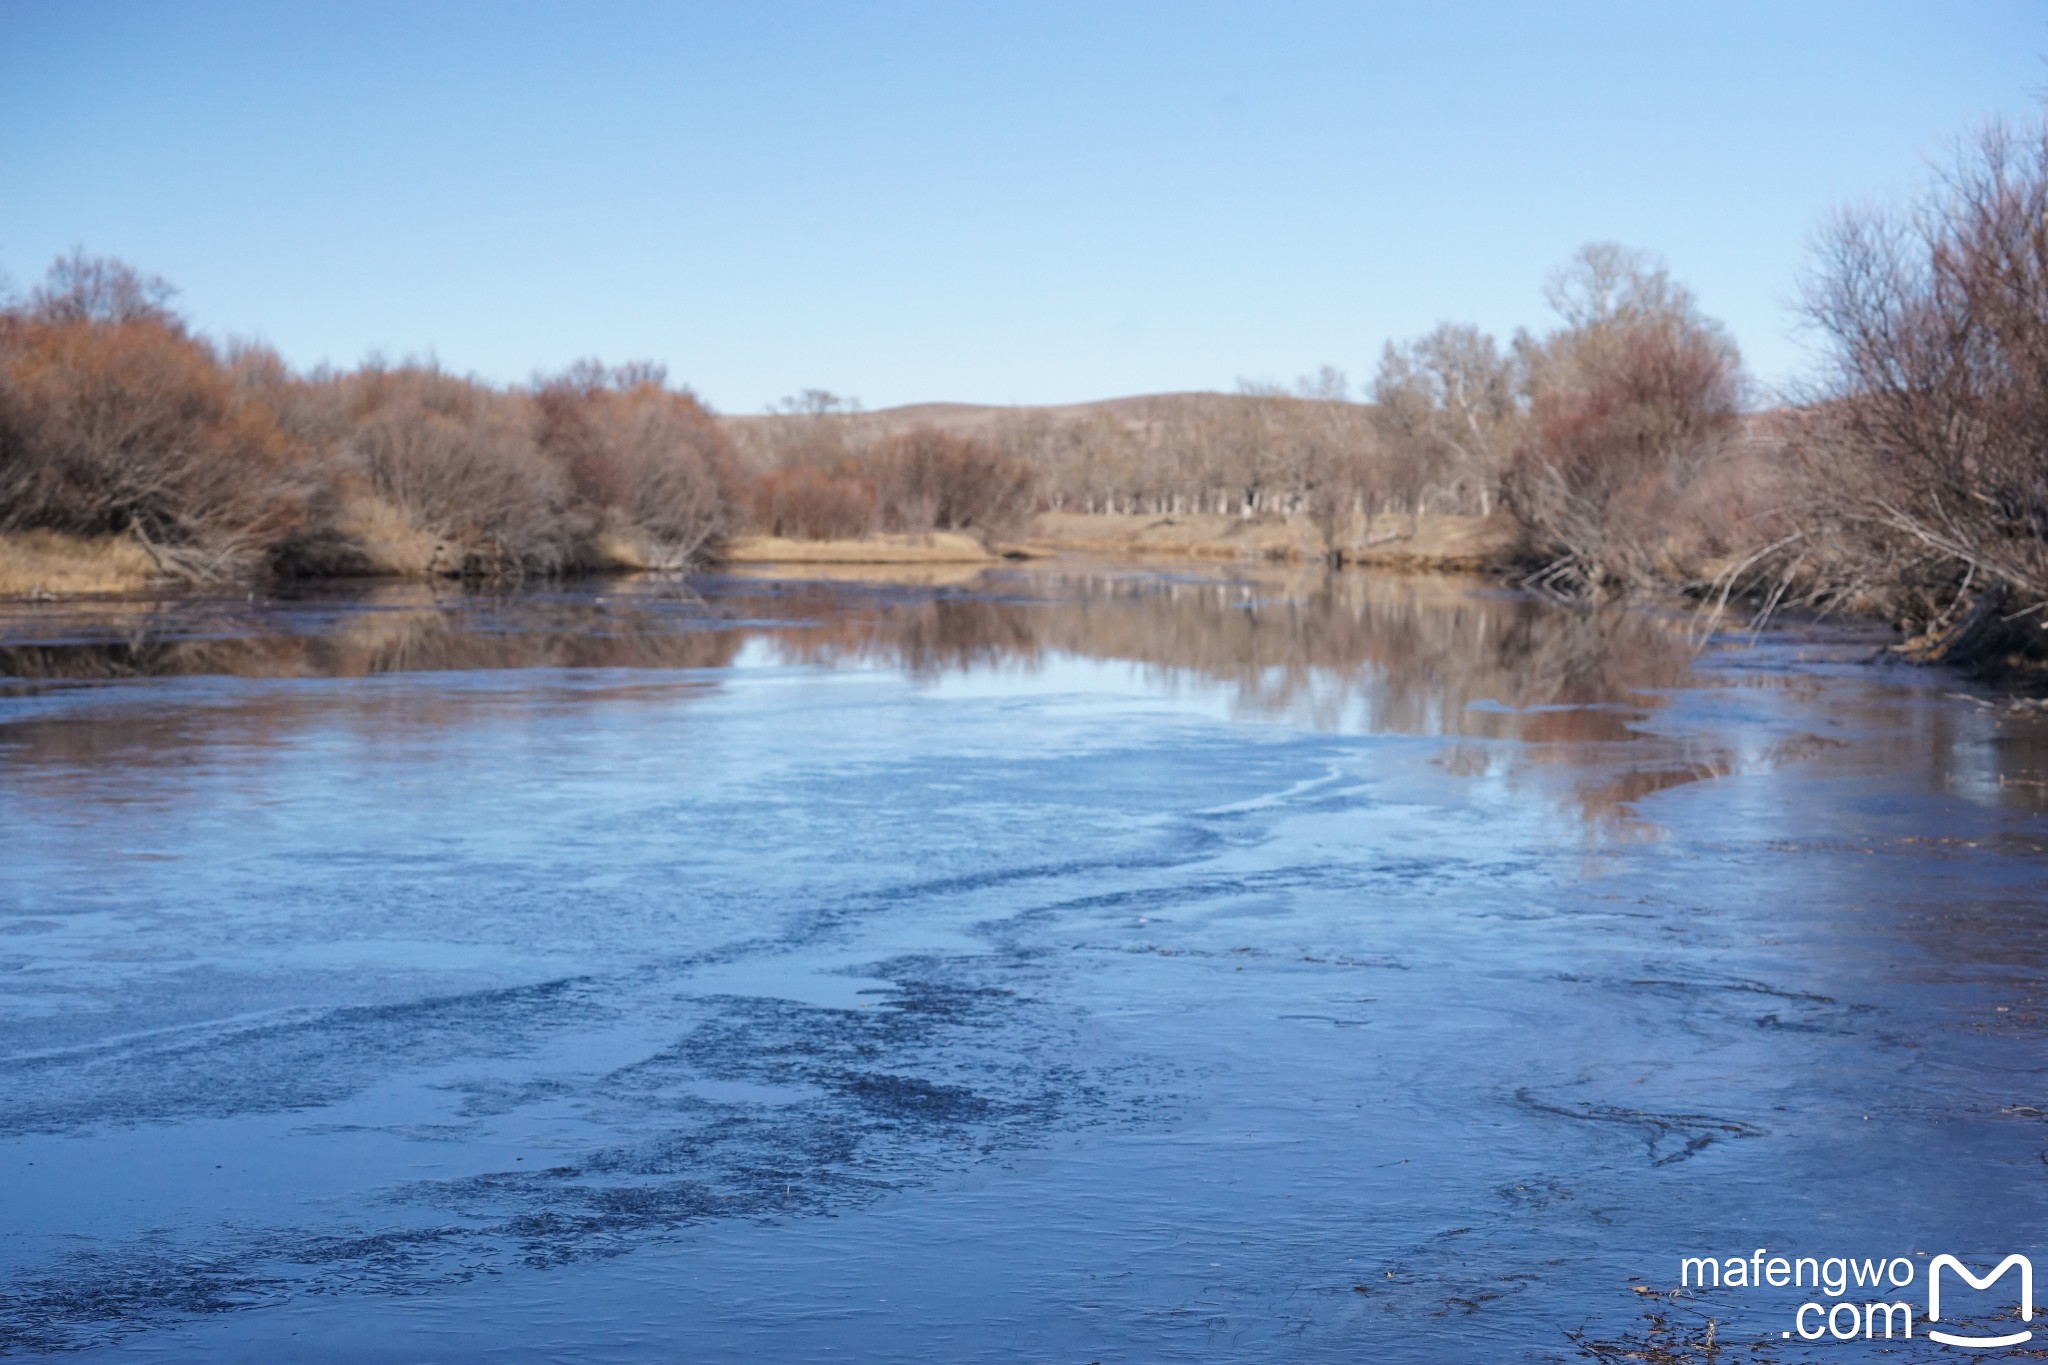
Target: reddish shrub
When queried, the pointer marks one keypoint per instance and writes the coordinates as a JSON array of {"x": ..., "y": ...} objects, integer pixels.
[
  {"x": 460, "y": 461},
  {"x": 639, "y": 456},
  {"x": 806, "y": 503},
  {"x": 1628, "y": 406},
  {"x": 134, "y": 426},
  {"x": 931, "y": 480}
]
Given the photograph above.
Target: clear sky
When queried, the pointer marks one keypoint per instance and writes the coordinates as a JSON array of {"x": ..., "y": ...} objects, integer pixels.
[{"x": 1035, "y": 201}]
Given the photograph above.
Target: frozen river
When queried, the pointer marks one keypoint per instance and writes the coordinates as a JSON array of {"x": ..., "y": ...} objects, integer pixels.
[{"x": 1049, "y": 964}]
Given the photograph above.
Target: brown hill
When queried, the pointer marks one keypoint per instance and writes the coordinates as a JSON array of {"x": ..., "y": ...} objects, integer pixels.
[{"x": 982, "y": 419}]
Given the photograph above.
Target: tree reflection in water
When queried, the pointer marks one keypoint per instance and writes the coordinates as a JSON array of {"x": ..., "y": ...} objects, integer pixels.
[{"x": 1519, "y": 682}]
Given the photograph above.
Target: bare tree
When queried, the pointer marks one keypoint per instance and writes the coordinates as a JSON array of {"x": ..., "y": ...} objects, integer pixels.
[
  {"x": 1629, "y": 403},
  {"x": 1924, "y": 454},
  {"x": 86, "y": 288},
  {"x": 931, "y": 480},
  {"x": 1449, "y": 410}
]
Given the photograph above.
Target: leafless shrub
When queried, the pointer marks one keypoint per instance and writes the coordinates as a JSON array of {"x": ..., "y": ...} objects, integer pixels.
[
  {"x": 813, "y": 429},
  {"x": 1926, "y": 471},
  {"x": 1629, "y": 403},
  {"x": 808, "y": 503},
  {"x": 827, "y": 470},
  {"x": 113, "y": 419},
  {"x": 929, "y": 480},
  {"x": 461, "y": 461},
  {"x": 642, "y": 459}
]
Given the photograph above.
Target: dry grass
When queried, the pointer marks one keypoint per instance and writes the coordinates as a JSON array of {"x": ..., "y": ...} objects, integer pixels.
[
  {"x": 630, "y": 554},
  {"x": 389, "y": 541},
  {"x": 51, "y": 564},
  {"x": 955, "y": 575},
  {"x": 939, "y": 547},
  {"x": 1196, "y": 535},
  {"x": 1433, "y": 542}
]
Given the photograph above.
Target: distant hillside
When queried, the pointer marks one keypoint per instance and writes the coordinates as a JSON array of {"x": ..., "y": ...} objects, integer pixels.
[{"x": 985, "y": 419}]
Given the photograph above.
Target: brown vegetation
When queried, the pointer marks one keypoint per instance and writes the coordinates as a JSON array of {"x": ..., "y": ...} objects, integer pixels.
[
  {"x": 115, "y": 420},
  {"x": 805, "y": 503},
  {"x": 1604, "y": 438},
  {"x": 1609, "y": 454},
  {"x": 1253, "y": 453},
  {"x": 644, "y": 461},
  {"x": 827, "y": 475},
  {"x": 1922, "y": 466},
  {"x": 52, "y": 564},
  {"x": 933, "y": 547},
  {"x": 1436, "y": 542},
  {"x": 1628, "y": 406}
]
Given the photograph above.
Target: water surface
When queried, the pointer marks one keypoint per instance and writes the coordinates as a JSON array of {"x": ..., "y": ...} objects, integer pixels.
[{"x": 1046, "y": 963}]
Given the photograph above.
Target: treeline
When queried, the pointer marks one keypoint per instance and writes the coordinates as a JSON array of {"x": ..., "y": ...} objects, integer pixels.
[
  {"x": 1598, "y": 438},
  {"x": 117, "y": 419},
  {"x": 1622, "y": 446},
  {"x": 1625, "y": 448},
  {"x": 1910, "y": 481}
]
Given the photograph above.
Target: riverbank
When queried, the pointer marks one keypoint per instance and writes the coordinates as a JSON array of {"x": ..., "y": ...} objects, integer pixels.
[
  {"x": 939, "y": 547},
  {"x": 44, "y": 564},
  {"x": 1431, "y": 543},
  {"x": 40, "y": 566}
]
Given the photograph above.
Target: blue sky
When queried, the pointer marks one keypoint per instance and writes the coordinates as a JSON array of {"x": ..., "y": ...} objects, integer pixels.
[{"x": 985, "y": 202}]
